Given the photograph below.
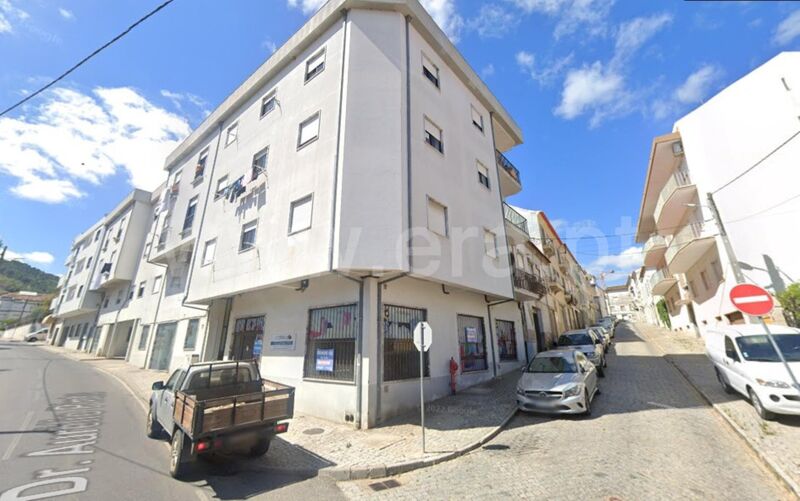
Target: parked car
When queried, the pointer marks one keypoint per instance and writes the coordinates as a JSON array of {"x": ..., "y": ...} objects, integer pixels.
[
  {"x": 602, "y": 333},
  {"x": 38, "y": 335},
  {"x": 586, "y": 341},
  {"x": 609, "y": 323},
  {"x": 560, "y": 381},
  {"x": 218, "y": 407},
  {"x": 746, "y": 362}
]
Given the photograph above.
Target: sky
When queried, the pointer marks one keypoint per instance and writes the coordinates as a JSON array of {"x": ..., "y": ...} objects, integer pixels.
[{"x": 590, "y": 82}]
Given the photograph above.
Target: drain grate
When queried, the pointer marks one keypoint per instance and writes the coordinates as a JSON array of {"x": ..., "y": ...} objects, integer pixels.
[
  {"x": 313, "y": 431},
  {"x": 386, "y": 484},
  {"x": 496, "y": 447}
]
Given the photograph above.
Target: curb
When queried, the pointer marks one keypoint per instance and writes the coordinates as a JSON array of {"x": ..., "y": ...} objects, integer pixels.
[
  {"x": 341, "y": 474},
  {"x": 771, "y": 465}
]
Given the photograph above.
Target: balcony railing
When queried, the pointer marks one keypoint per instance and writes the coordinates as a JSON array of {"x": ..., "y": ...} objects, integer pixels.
[
  {"x": 529, "y": 282},
  {"x": 678, "y": 179},
  {"x": 508, "y": 166},
  {"x": 515, "y": 218},
  {"x": 655, "y": 241}
]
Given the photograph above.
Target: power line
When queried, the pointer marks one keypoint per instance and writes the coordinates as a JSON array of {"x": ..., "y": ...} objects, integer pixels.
[
  {"x": 85, "y": 59},
  {"x": 757, "y": 163}
]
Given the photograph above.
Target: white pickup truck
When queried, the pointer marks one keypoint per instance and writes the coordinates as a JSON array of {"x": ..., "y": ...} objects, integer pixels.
[{"x": 218, "y": 407}]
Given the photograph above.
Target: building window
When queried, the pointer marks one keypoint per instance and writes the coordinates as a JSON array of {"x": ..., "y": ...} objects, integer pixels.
[
  {"x": 233, "y": 133},
  {"x": 248, "y": 238},
  {"x": 222, "y": 184},
  {"x": 79, "y": 266},
  {"x": 430, "y": 70},
  {"x": 208, "y": 251},
  {"x": 97, "y": 236},
  {"x": 143, "y": 337},
  {"x": 142, "y": 286},
  {"x": 717, "y": 270},
  {"x": 400, "y": 356},
  {"x": 437, "y": 217},
  {"x": 80, "y": 291},
  {"x": 188, "y": 220},
  {"x": 483, "y": 175},
  {"x": 259, "y": 163},
  {"x": 146, "y": 251},
  {"x": 490, "y": 243},
  {"x": 300, "y": 214},
  {"x": 309, "y": 131},
  {"x": 477, "y": 119},
  {"x": 471, "y": 343},
  {"x": 506, "y": 340},
  {"x": 704, "y": 279},
  {"x": 200, "y": 169},
  {"x": 331, "y": 342},
  {"x": 89, "y": 262},
  {"x": 315, "y": 65},
  {"x": 190, "y": 340},
  {"x": 157, "y": 284},
  {"x": 120, "y": 294},
  {"x": 433, "y": 136},
  {"x": 268, "y": 103},
  {"x": 176, "y": 179}
]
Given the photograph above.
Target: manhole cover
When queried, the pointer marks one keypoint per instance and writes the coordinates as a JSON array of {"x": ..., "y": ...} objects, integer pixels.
[
  {"x": 314, "y": 431},
  {"x": 496, "y": 447},
  {"x": 386, "y": 484}
]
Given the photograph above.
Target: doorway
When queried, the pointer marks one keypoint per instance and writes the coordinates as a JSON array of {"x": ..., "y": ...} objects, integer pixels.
[
  {"x": 537, "y": 327},
  {"x": 248, "y": 338},
  {"x": 162, "y": 347}
]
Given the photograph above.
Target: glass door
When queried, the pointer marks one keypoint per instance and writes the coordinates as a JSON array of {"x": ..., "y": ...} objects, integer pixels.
[{"x": 162, "y": 347}]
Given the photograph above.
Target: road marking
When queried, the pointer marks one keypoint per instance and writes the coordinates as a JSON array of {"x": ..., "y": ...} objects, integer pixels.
[
  {"x": 751, "y": 299},
  {"x": 18, "y": 436}
]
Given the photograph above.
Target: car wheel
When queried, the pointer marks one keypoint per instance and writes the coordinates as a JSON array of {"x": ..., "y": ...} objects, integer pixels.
[
  {"x": 153, "y": 428},
  {"x": 762, "y": 412},
  {"x": 260, "y": 448},
  {"x": 587, "y": 403},
  {"x": 177, "y": 464},
  {"x": 724, "y": 383}
]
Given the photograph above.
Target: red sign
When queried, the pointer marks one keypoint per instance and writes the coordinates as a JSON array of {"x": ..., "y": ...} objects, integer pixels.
[{"x": 752, "y": 300}]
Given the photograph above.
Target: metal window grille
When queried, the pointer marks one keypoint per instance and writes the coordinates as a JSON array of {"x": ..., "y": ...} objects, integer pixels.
[
  {"x": 506, "y": 340},
  {"x": 400, "y": 356},
  {"x": 331, "y": 343}
]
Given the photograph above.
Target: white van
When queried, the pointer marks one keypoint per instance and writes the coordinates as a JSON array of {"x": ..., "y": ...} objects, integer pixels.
[{"x": 746, "y": 362}]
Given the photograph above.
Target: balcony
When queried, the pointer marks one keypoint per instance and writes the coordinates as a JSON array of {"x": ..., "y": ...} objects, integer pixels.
[
  {"x": 517, "y": 225},
  {"x": 527, "y": 285},
  {"x": 510, "y": 180},
  {"x": 673, "y": 201},
  {"x": 556, "y": 284},
  {"x": 688, "y": 245},
  {"x": 654, "y": 249},
  {"x": 662, "y": 281},
  {"x": 172, "y": 246}
]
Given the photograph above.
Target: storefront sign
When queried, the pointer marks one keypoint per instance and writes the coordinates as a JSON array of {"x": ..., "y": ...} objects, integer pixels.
[
  {"x": 471, "y": 334},
  {"x": 324, "y": 360},
  {"x": 282, "y": 342}
]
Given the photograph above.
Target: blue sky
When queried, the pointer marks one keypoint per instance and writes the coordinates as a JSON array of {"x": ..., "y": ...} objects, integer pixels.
[{"x": 590, "y": 82}]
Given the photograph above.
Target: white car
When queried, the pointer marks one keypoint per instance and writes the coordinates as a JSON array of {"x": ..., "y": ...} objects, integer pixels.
[
  {"x": 746, "y": 362},
  {"x": 587, "y": 342},
  {"x": 38, "y": 335},
  {"x": 561, "y": 381}
]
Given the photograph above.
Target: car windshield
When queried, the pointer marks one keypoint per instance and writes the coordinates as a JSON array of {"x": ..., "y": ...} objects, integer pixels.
[
  {"x": 575, "y": 340},
  {"x": 759, "y": 349},
  {"x": 552, "y": 365}
]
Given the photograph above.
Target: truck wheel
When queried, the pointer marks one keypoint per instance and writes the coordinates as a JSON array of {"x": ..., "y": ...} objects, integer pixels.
[
  {"x": 260, "y": 448},
  {"x": 153, "y": 428},
  {"x": 177, "y": 464}
]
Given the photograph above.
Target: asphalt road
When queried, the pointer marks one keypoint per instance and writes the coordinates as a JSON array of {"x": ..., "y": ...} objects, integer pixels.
[{"x": 69, "y": 431}]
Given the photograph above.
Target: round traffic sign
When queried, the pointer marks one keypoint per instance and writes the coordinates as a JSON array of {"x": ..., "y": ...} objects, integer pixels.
[{"x": 752, "y": 300}]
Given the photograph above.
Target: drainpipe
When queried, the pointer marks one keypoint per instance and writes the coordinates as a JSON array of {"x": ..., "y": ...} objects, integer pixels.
[
  {"x": 379, "y": 316},
  {"x": 338, "y": 142},
  {"x": 408, "y": 149},
  {"x": 524, "y": 332},
  {"x": 359, "y": 348}
]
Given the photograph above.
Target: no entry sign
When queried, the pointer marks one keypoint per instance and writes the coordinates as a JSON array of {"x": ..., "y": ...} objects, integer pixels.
[{"x": 752, "y": 300}]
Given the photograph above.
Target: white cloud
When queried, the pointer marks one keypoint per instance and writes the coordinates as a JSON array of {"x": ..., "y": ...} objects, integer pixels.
[
  {"x": 493, "y": 21},
  {"x": 38, "y": 257},
  {"x": 632, "y": 34},
  {"x": 593, "y": 89},
  {"x": 66, "y": 14},
  {"x": 73, "y": 137},
  {"x": 445, "y": 14},
  {"x": 269, "y": 45},
  {"x": 307, "y": 6},
  {"x": 590, "y": 17},
  {"x": 621, "y": 264},
  {"x": 487, "y": 71},
  {"x": 10, "y": 13},
  {"x": 788, "y": 29},
  {"x": 545, "y": 74},
  {"x": 697, "y": 86},
  {"x": 5, "y": 25}
]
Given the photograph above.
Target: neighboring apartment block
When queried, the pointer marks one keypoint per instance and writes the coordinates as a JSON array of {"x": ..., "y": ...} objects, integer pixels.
[
  {"x": 738, "y": 151},
  {"x": 621, "y": 302}
]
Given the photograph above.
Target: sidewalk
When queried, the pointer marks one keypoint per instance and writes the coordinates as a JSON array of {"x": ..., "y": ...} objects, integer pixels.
[
  {"x": 454, "y": 425},
  {"x": 777, "y": 442}
]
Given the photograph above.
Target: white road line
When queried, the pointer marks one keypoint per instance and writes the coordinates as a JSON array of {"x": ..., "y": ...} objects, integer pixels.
[
  {"x": 18, "y": 436},
  {"x": 751, "y": 299}
]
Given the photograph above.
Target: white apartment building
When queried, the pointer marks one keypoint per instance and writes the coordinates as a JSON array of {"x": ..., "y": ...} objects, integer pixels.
[
  {"x": 643, "y": 300},
  {"x": 620, "y": 302},
  {"x": 741, "y": 146}
]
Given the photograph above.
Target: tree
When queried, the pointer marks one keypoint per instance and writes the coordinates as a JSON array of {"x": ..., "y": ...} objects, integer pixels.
[
  {"x": 663, "y": 313},
  {"x": 790, "y": 301}
]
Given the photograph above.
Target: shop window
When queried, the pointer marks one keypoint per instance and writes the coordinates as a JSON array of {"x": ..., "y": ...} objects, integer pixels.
[
  {"x": 506, "y": 340},
  {"x": 331, "y": 342},
  {"x": 471, "y": 343},
  {"x": 400, "y": 356}
]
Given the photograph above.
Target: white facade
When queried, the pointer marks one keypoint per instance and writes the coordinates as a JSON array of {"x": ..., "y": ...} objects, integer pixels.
[{"x": 737, "y": 147}]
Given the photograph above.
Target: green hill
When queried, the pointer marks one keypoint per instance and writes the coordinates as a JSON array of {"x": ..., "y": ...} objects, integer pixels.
[{"x": 16, "y": 276}]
